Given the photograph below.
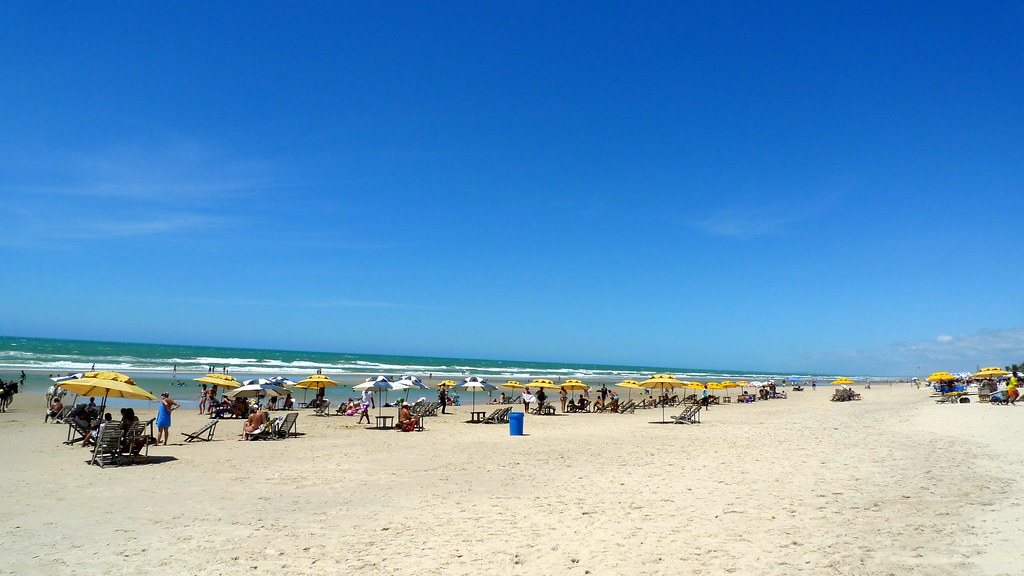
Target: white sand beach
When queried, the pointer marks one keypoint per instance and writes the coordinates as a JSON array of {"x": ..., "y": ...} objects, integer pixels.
[{"x": 893, "y": 484}]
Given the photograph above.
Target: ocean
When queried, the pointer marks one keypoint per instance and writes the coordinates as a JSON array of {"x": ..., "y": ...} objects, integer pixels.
[{"x": 162, "y": 367}]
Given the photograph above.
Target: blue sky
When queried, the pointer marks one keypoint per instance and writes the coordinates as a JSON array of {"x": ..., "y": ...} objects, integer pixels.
[{"x": 736, "y": 186}]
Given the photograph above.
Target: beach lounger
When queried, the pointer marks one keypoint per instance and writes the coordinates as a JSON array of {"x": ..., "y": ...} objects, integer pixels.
[
  {"x": 204, "y": 434},
  {"x": 289, "y": 426},
  {"x": 267, "y": 431},
  {"x": 107, "y": 450},
  {"x": 629, "y": 406},
  {"x": 135, "y": 443},
  {"x": 690, "y": 415},
  {"x": 76, "y": 433},
  {"x": 498, "y": 416},
  {"x": 321, "y": 410}
]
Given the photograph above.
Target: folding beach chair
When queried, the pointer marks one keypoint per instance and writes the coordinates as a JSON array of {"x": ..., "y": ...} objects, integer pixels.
[
  {"x": 204, "y": 434},
  {"x": 690, "y": 415},
  {"x": 288, "y": 426},
  {"x": 108, "y": 445}
]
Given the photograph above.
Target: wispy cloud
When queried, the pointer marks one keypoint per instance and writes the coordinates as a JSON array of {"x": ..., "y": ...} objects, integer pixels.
[
  {"x": 760, "y": 217},
  {"x": 949, "y": 352},
  {"x": 93, "y": 228},
  {"x": 247, "y": 302}
]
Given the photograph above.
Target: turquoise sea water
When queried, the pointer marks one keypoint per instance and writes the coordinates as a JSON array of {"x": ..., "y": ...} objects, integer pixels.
[{"x": 159, "y": 367}]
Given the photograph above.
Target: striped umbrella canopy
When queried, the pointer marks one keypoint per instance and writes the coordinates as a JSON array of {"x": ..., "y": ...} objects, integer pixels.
[
  {"x": 379, "y": 384},
  {"x": 475, "y": 383},
  {"x": 411, "y": 382}
]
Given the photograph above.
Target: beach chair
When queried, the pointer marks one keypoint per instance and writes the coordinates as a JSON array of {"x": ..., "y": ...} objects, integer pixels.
[
  {"x": 61, "y": 416},
  {"x": 689, "y": 415},
  {"x": 107, "y": 450},
  {"x": 76, "y": 433},
  {"x": 321, "y": 410},
  {"x": 628, "y": 406},
  {"x": 267, "y": 431},
  {"x": 498, "y": 416},
  {"x": 204, "y": 434},
  {"x": 289, "y": 426},
  {"x": 135, "y": 442}
]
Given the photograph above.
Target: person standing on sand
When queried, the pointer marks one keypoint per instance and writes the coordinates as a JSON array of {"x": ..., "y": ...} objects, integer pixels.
[
  {"x": 564, "y": 396},
  {"x": 163, "y": 417},
  {"x": 527, "y": 398},
  {"x": 204, "y": 399},
  {"x": 442, "y": 398}
]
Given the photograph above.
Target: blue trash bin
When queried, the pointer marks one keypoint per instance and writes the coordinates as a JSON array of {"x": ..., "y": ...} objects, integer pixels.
[{"x": 515, "y": 423}]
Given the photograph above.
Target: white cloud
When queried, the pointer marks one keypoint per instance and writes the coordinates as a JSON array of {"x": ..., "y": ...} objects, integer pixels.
[{"x": 952, "y": 353}]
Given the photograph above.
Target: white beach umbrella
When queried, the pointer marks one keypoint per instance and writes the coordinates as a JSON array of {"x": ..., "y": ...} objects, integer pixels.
[
  {"x": 475, "y": 383},
  {"x": 253, "y": 390},
  {"x": 379, "y": 384},
  {"x": 257, "y": 382},
  {"x": 68, "y": 377}
]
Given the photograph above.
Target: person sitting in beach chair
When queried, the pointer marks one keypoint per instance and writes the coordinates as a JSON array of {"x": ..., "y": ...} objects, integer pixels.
[
  {"x": 256, "y": 421},
  {"x": 56, "y": 407},
  {"x": 289, "y": 403},
  {"x": 237, "y": 409},
  {"x": 745, "y": 398},
  {"x": 581, "y": 404},
  {"x": 407, "y": 421},
  {"x": 95, "y": 430}
]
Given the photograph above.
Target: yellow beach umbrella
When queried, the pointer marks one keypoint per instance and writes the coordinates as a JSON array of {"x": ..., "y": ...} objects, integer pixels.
[
  {"x": 990, "y": 372},
  {"x": 221, "y": 380},
  {"x": 106, "y": 384},
  {"x": 513, "y": 384},
  {"x": 543, "y": 383},
  {"x": 315, "y": 382},
  {"x": 941, "y": 376},
  {"x": 842, "y": 381},
  {"x": 574, "y": 385},
  {"x": 663, "y": 382},
  {"x": 630, "y": 384},
  {"x": 445, "y": 384}
]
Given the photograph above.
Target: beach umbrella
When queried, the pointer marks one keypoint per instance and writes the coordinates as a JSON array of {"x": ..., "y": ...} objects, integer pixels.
[
  {"x": 544, "y": 383},
  {"x": 258, "y": 389},
  {"x": 411, "y": 382},
  {"x": 312, "y": 382},
  {"x": 446, "y": 384},
  {"x": 662, "y": 382},
  {"x": 990, "y": 372},
  {"x": 379, "y": 384},
  {"x": 281, "y": 381},
  {"x": 842, "y": 381},
  {"x": 632, "y": 385},
  {"x": 81, "y": 374},
  {"x": 941, "y": 376},
  {"x": 573, "y": 386},
  {"x": 475, "y": 383},
  {"x": 222, "y": 380},
  {"x": 109, "y": 384}
]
